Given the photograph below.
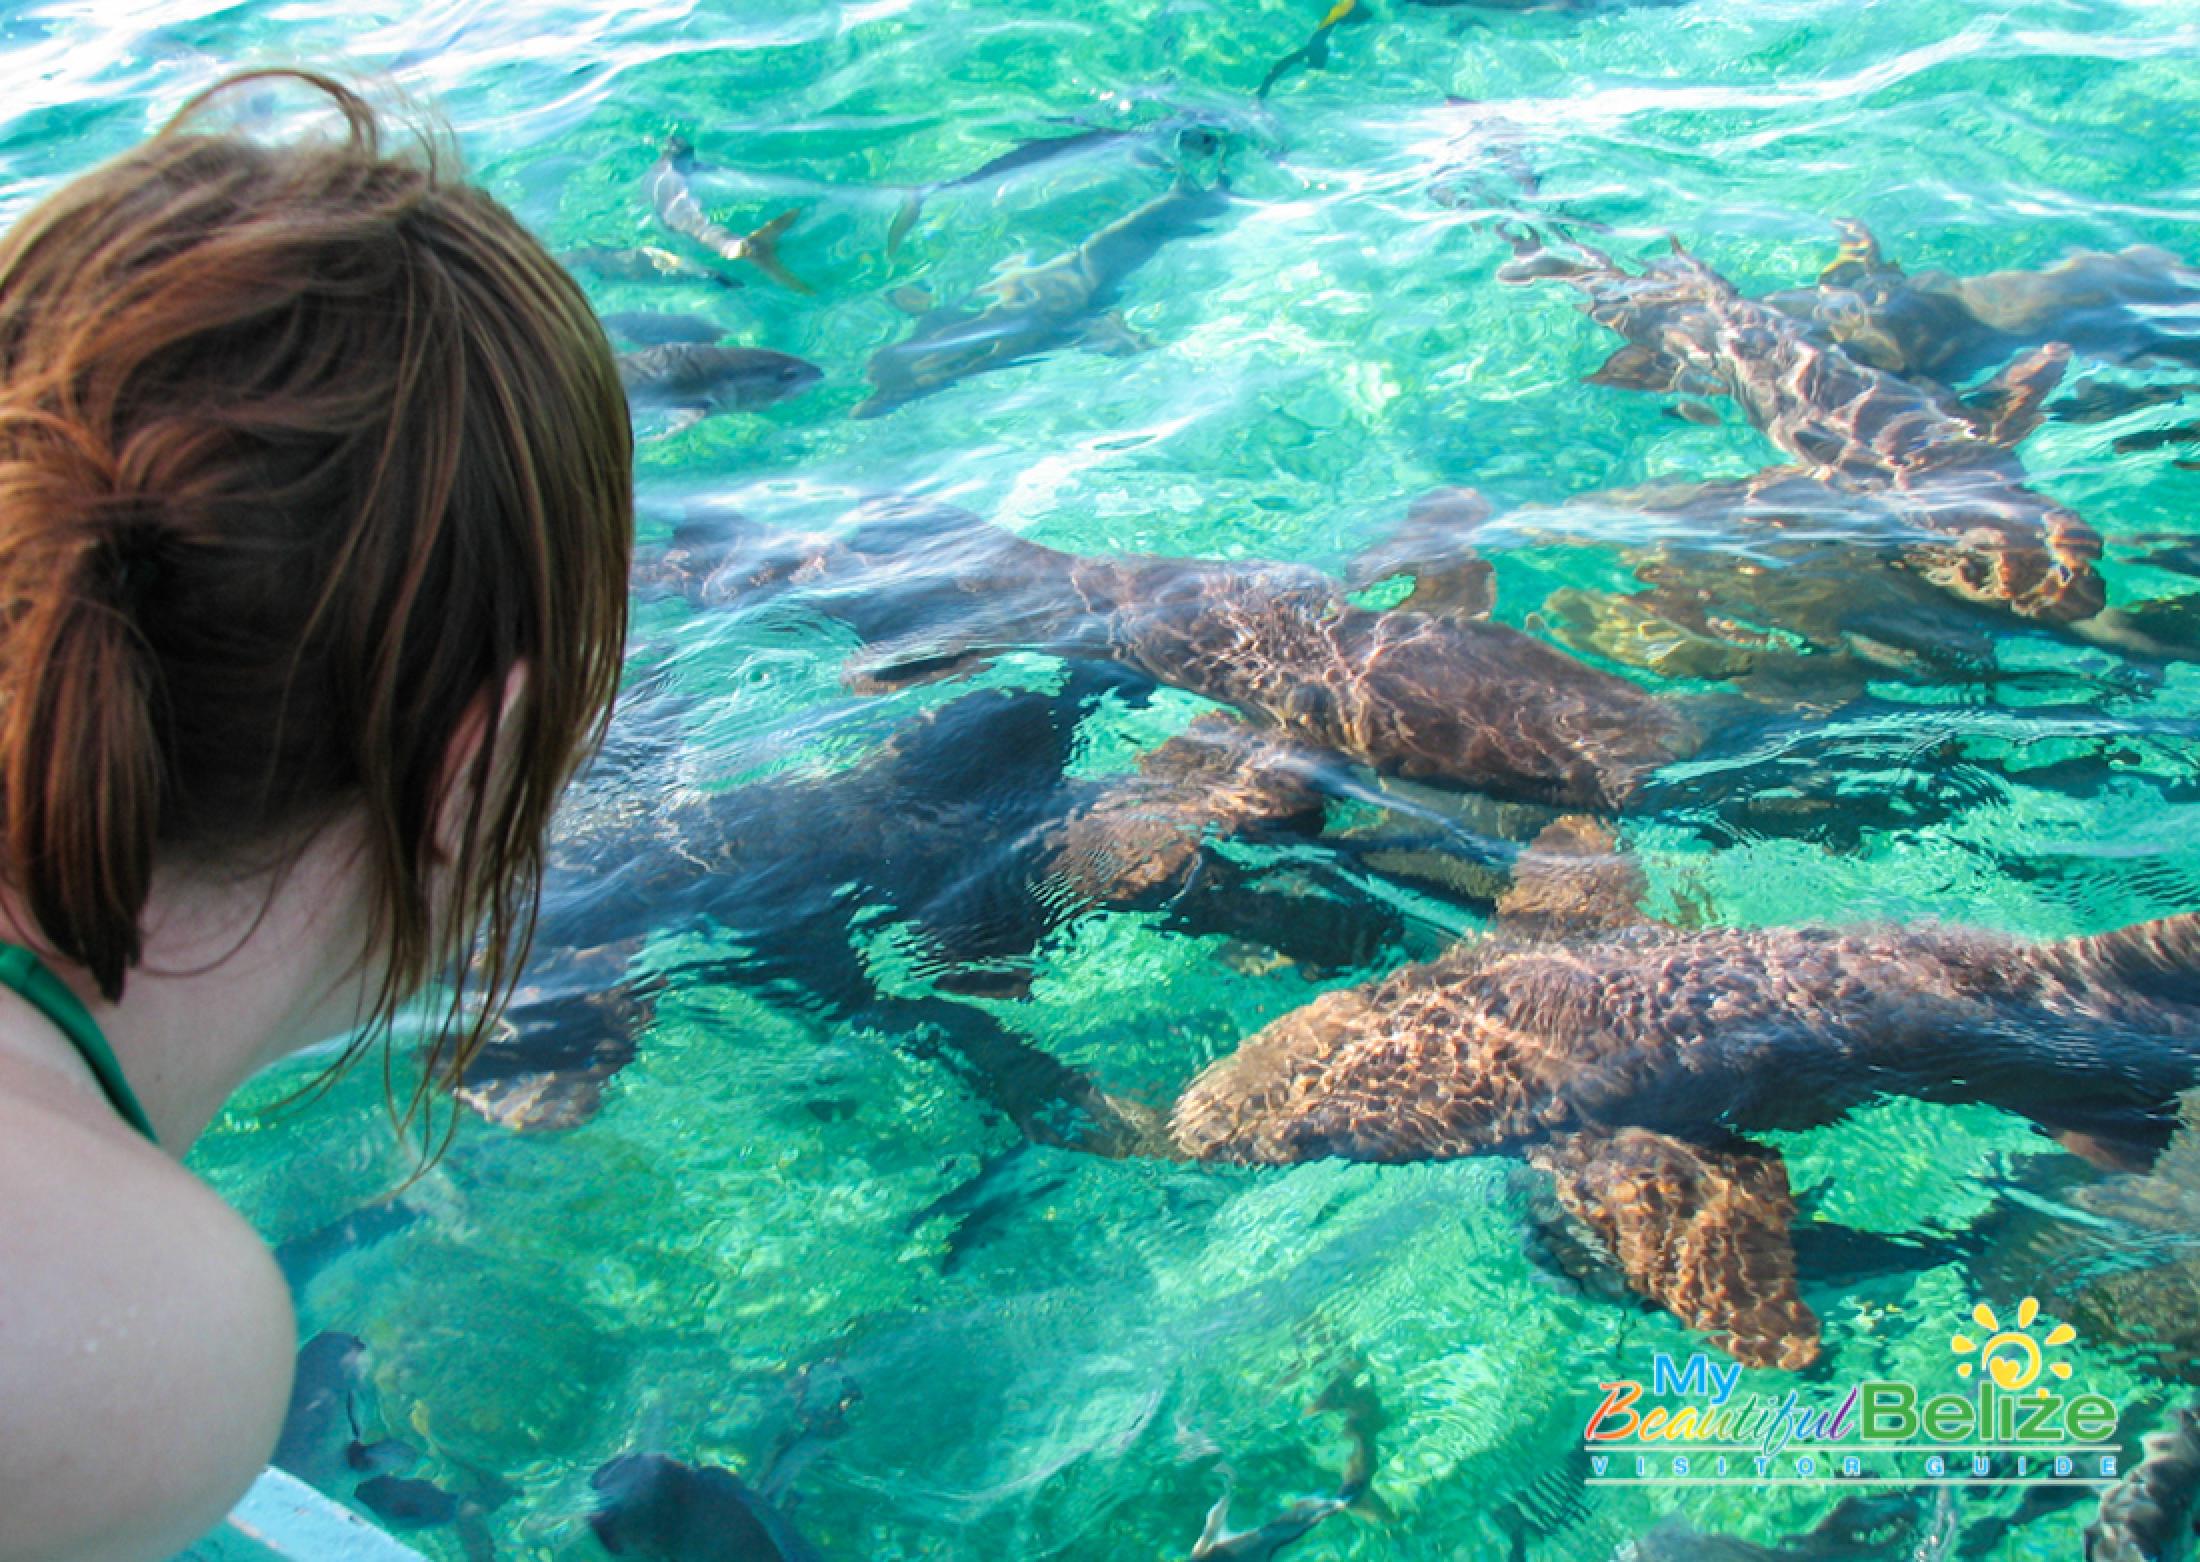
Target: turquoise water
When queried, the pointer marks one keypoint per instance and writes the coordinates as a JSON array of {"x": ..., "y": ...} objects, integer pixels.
[{"x": 1080, "y": 1357}]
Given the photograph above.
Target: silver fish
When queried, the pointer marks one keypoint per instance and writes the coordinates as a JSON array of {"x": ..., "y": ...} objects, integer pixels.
[
  {"x": 672, "y": 197},
  {"x": 1064, "y": 302},
  {"x": 694, "y": 380},
  {"x": 642, "y": 263}
]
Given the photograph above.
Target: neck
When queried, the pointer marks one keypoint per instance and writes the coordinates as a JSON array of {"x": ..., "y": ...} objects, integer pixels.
[{"x": 236, "y": 974}]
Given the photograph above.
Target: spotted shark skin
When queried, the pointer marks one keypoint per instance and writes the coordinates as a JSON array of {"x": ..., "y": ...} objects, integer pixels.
[
  {"x": 1973, "y": 527},
  {"x": 2153, "y": 1513},
  {"x": 1792, "y": 591},
  {"x": 1630, "y": 1061},
  {"x": 1474, "y": 705},
  {"x": 1776, "y": 583},
  {"x": 2136, "y": 305}
]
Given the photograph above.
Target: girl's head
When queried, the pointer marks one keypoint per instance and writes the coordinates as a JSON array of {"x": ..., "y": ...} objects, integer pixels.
[{"x": 304, "y": 449}]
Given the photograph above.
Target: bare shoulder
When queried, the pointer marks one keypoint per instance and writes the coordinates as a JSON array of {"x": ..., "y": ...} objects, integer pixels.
[{"x": 146, "y": 1341}]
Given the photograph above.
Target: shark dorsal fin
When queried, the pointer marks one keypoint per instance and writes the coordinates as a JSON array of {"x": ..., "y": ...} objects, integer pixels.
[{"x": 1572, "y": 879}]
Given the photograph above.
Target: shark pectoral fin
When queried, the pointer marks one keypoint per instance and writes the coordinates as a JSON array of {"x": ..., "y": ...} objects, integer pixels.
[
  {"x": 1464, "y": 590},
  {"x": 2166, "y": 628},
  {"x": 761, "y": 250},
  {"x": 1216, "y": 779},
  {"x": 2099, "y": 400},
  {"x": 1009, "y": 282},
  {"x": 2014, "y": 402},
  {"x": 681, "y": 420},
  {"x": 1113, "y": 337},
  {"x": 1702, "y": 1232},
  {"x": 1433, "y": 546},
  {"x": 542, "y": 1101},
  {"x": 568, "y": 1031},
  {"x": 2158, "y": 438},
  {"x": 1635, "y": 630},
  {"x": 1573, "y": 878},
  {"x": 1639, "y": 368}
]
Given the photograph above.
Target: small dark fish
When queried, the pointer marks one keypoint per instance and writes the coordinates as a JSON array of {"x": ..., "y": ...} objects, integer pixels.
[
  {"x": 382, "y": 1457},
  {"x": 403, "y": 1503},
  {"x": 657, "y": 1509},
  {"x": 1003, "y": 1187},
  {"x": 672, "y": 197},
  {"x": 1180, "y": 134},
  {"x": 2182, "y": 556},
  {"x": 2099, "y": 401},
  {"x": 696, "y": 380},
  {"x": 1314, "y": 55},
  {"x": 645, "y": 263},
  {"x": 2157, "y": 438},
  {"x": 648, "y": 328}
]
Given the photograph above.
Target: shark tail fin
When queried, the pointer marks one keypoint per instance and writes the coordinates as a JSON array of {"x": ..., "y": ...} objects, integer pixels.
[
  {"x": 2159, "y": 958},
  {"x": 1859, "y": 254},
  {"x": 2014, "y": 402},
  {"x": 904, "y": 220},
  {"x": 761, "y": 250}
]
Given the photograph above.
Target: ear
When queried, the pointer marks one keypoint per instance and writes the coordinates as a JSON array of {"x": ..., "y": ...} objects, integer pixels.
[{"x": 459, "y": 781}]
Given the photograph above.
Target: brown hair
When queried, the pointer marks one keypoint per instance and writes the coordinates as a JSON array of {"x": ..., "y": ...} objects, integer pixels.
[{"x": 302, "y": 449}]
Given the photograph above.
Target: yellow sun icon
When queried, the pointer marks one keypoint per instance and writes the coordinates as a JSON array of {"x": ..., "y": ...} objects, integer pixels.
[{"x": 2011, "y": 1356}]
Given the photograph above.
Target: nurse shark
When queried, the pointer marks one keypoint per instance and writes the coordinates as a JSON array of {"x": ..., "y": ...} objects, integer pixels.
[
  {"x": 1943, "y": 470},
  {"x": 958, "y": 829},
  {"x": 1632, "y": 1061}
]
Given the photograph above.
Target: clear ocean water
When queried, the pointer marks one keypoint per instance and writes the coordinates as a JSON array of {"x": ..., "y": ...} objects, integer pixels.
[{"x": 796, "y": 1247}]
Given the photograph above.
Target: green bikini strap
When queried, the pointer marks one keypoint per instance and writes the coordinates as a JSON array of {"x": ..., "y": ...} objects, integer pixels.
[{"x": 47, "y": 993}]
